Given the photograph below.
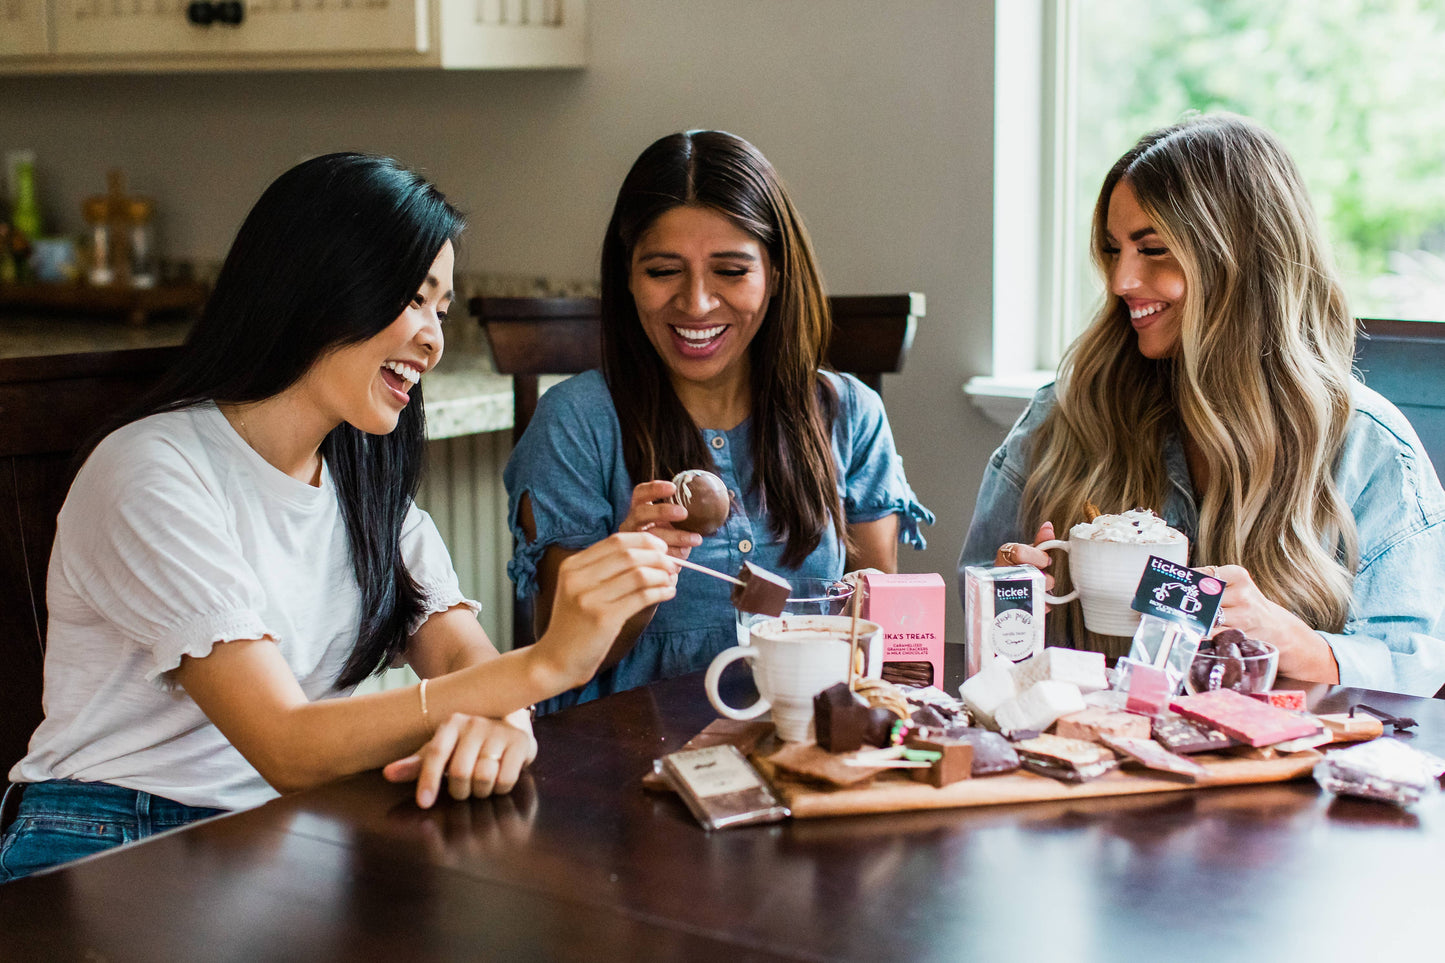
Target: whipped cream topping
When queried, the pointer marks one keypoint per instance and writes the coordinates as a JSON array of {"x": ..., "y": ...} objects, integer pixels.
[{"x": 1138, "y": 526}]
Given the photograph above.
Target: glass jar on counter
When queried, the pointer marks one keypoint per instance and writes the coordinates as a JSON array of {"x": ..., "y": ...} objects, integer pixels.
[
  {"x": 101, "y": 249},
  {"x": 141, "y": 247}
]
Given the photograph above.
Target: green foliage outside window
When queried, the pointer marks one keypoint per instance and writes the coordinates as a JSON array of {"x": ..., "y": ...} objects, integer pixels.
[{"x": 1354, "y": 88}]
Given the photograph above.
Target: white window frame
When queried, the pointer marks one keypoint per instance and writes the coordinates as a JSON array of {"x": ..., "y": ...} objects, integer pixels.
[{"x": 1035, "y": 211}]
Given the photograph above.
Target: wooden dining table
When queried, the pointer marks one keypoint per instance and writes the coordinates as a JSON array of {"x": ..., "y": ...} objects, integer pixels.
[{"x": 581, "y": 862}]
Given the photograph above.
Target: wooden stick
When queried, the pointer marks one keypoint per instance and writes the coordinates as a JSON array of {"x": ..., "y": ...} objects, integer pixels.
[
  {"x": 707, "y": 571},
  {"x": 853, "y": 637}
]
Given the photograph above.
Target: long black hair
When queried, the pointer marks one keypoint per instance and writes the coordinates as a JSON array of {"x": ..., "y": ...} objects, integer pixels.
[
  {"x": 329, "y": 256},
  {"x": 792, "y": 408}
]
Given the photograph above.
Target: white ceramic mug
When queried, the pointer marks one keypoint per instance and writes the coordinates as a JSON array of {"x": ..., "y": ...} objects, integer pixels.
[
  {"x": 1106, "y": 576},
  {"x": 794, "y": 658}
]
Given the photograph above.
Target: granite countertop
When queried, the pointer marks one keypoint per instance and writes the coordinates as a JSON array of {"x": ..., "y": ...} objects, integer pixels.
[{"x": 464, "y": 395}]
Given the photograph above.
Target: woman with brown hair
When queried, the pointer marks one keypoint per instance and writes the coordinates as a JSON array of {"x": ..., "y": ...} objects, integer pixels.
[
  {"x": 714, "y": 327},
  {"x": 1214, "y": 386}
]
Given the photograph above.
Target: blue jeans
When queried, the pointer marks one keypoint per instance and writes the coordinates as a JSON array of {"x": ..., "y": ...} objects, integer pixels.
[{"x": 61, "y": 820}]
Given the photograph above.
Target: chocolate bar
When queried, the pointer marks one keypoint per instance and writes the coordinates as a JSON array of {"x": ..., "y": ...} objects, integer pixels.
[
  {"x": 1251, "y": 722},
  {"x": 1068, "y": 760},
  {"x": 1151, "y": 755},
  {"x": 1292, "y": 699},
  {"x": 761, "y": 592},
  {"x": 1180, "y": 735},
  {"x": 1095, "y": 721},
  {"x": 721, "y": 787}
]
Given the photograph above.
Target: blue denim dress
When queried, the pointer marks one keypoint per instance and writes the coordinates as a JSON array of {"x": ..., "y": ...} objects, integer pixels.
[
  {"x": 1394, "y": 635},
  {"x": 570, "y": 464}
]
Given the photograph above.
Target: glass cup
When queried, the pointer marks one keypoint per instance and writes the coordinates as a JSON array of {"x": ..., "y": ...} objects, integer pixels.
[
  {"x": 811, "y": 596},
  {"x": 1243, "y": 673}
]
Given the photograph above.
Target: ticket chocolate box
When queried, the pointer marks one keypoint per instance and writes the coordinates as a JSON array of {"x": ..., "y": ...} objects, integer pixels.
[{"x": 910, "y": 610}]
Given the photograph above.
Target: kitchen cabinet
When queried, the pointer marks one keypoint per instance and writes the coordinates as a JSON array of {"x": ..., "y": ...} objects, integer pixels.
[{"x": 109, "y": 36}]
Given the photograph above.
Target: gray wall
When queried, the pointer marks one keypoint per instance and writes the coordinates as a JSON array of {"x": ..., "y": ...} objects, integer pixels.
[{"x": 878, "y": 115}]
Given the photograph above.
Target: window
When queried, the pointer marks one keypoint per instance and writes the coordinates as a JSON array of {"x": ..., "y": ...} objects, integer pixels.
[{"x": 1352, "y": 88}]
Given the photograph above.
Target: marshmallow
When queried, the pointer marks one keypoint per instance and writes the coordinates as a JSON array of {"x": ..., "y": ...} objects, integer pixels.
[
  {"x": 1083, "y": 669},
  {"x": 1039, "y": 707},
  {"x": 986, "y": 690}
]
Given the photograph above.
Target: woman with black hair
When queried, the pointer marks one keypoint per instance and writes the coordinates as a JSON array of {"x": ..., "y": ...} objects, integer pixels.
[
  {"x": 244, "y": 548},
  {"x": 714, "y": 329}
]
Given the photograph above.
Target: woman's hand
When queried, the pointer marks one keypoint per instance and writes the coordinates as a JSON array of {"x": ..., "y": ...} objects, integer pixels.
[
  {"x": 598, "y": 590},
  {"x": 650, "y": 514},
  {"x": 1303, "y": 654},
  {"x": 478, "y": 757},
  {"x": 1016, "y": 553}
]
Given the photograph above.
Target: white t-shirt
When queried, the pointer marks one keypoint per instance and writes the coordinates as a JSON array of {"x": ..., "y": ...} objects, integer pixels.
[{"x": 176, "y": 535}]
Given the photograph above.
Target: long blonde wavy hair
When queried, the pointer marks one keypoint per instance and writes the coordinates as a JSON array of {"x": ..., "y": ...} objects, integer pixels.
[{"x": 1260, "y": 380}]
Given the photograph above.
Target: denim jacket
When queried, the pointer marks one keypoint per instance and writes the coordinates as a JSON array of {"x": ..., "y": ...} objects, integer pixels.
[
  {"x": 1394, "y": 635},
  {"x": 570, "y": 463}
]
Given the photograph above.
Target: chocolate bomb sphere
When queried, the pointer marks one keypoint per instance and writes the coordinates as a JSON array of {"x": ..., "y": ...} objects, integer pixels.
[{"x": 706, "y": 499}]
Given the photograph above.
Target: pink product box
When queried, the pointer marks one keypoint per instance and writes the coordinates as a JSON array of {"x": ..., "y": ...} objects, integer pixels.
[{"x": 910, "y": 610}]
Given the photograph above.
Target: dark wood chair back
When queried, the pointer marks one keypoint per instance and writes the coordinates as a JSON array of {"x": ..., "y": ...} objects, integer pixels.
[
  {"x": 530, "y": 337},
  {"x": 49, "y": 407},
  {"x": 1405, "y": 362},
  {"x": 872, "y": 335}
]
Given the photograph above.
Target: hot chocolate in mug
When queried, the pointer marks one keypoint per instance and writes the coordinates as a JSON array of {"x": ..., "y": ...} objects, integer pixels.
[
  {"x": 1106, "y": 574},
  {"x": 794, "y": 658}
]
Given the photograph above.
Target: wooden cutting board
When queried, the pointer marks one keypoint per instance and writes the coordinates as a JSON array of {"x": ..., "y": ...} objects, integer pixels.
[{"x": 895, "y": 792}]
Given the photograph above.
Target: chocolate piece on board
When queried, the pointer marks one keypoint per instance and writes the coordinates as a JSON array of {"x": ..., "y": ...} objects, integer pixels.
[
  {"x": 928, "y": 717},
  {"x": 1069, "y": 760},
  {"x": 1251, "y": 722},
  {"x": 1151, "y": 755},
  {"x": 761, "y": 592},
  {"x": 1181, "y": 735},
  {"x": 839, "y": 718},
  {"x": 706, "y": 499},
  {"x": 1096, "y": 721},
  {"x": 992, "y": 754},
  {"x": 955, "y": 763},
  {"x": 879, "y": 730},
  {"x": 1283, "y": 698}
]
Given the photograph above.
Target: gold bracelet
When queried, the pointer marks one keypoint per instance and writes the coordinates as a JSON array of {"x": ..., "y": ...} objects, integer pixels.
[{"x": 425, "y": 715}]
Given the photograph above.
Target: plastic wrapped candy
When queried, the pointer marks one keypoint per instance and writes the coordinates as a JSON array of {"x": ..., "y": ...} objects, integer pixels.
[{"x": 1383, "y": 769}]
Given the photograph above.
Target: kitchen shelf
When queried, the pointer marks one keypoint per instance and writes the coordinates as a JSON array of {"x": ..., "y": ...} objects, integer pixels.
[{"x": 134, "y": 305}]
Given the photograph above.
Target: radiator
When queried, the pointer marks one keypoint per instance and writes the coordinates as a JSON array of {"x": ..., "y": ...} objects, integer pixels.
[{"x": 463, "y": 492}]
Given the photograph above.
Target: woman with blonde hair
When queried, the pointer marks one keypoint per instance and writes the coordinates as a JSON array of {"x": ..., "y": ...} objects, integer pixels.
[{"x": 1215, "y": 387}]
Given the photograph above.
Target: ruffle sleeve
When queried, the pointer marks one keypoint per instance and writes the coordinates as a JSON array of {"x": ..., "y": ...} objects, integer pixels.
[
  {"x": 149, "y": 551},
  {"x": 566, "y": 464},
  {"x": 874, "y": 484}
]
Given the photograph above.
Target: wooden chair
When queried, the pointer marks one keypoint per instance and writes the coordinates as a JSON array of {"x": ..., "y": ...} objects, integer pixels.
[
  {"x": 1405, "y": 362},
  {"x": 529, "y": 337},
  {"x": 49, "y": 407}
]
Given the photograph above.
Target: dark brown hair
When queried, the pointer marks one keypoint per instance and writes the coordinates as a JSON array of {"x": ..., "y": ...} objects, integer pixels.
[{"x": 792, "y": 408}]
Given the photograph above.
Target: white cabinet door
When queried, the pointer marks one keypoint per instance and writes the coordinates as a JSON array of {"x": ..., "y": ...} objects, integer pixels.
[
  {"x": 161, "y": 27},
  {"x": 23, "y": 28}
]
